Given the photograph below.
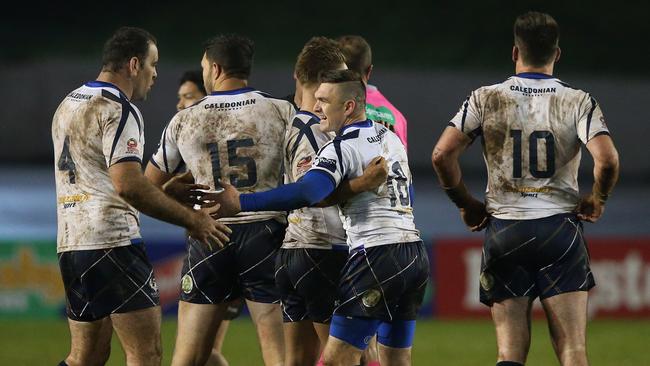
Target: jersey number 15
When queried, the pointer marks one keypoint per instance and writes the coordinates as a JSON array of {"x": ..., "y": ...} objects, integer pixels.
[{"x": 250, "y": 179}]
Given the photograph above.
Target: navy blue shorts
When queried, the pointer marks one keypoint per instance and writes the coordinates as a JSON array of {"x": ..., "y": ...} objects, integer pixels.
[
  {"x": 101, "y": 282},
  {"x": 386, "y": 282},
  {"x": 244, "y": 268},
  {"x": 308, "y": 282},
  {"x": 542, "y": 257}
]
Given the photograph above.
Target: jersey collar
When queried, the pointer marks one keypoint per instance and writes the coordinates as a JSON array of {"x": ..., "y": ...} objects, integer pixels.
[
  {"x": 308, "y": 114},
  {"x": 104, "y": 84},
  {"x": 360, "y": 124},
  {"x": 233, "y": 92},
  {"x": 534, "y": 75}
]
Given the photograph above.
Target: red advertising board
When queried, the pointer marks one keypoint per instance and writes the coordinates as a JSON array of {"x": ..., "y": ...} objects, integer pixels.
[{"x": 621, "y": 267}]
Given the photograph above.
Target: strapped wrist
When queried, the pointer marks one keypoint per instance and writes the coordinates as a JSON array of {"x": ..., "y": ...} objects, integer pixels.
[{"x": 459, "y": 195}]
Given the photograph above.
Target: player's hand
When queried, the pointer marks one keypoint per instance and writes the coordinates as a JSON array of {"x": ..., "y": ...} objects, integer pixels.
[
  {"x": 590, "y": 209},
  {"x": 375, "y": 174},
  {"x": 183, "y": 189},
  {"x": 474, "y": 215},
  {"x": 207, "y": 230},
  {"x": 228, "y": 200}
]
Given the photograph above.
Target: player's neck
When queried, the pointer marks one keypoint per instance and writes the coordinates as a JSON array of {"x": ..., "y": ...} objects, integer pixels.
[
  {"x": 125, "y": 85},
  {"x": 354, "y": 118},
  {"x": 308, "y": 100},
  {"x": 230, "y": 84},
  {"x": 546, "y": 69}
]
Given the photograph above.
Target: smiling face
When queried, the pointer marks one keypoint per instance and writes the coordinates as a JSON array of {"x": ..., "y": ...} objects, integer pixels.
[
  {"x": 146, "y": 74},
  {"x": 330, "y": 107}
]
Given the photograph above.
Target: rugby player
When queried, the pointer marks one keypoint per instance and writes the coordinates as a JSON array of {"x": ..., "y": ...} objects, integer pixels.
[
  {"x": 383, "y": 281},
  {"x": 98, "y": 144},
  {"x": 532, "y": 127},
  {"x": 235, "y": 134},
  {"x": 358, "y": 55},
  {"x": 314, "y": 250}
]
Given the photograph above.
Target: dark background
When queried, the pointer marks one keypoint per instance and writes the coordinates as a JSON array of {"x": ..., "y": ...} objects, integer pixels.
[{"x": 428, "y": 56}]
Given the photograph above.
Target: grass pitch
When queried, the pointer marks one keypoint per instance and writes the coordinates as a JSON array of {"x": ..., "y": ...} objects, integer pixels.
[{"x": 46, "y": 342}]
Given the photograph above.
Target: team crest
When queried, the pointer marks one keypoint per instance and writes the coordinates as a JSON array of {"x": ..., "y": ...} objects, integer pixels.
[
  {"x": 486, "y": 280},
  {"x": 187, "y": 284},
  {"x": 370, "y": 298},
  {"x": 304, "y": 164},
  {"x": 132, "y": 146},
  {"x": 153, "y": 284}
]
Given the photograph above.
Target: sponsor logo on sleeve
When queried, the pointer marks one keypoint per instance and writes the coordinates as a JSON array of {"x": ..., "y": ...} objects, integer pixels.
[
  {"x": 326, "y": 163},
  {"x": 132, "y": 146}
]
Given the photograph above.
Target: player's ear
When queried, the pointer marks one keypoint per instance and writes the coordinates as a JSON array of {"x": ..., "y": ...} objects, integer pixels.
[
  {"x": 350, "y": 106},
  {"x": 515, "y": 54},
  {"x": 368, "y": 72},
  {"x": 558, "y": 52},
  {"x": 133, "y": 66}
]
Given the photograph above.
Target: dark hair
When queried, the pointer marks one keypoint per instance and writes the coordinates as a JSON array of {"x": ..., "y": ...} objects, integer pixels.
[
  {"x": 318, "y": 54},
  {"x": 358, "y": 55},
  {"x": 125, "y": 43},
  {"x": 537, "y": 36},
  {"x": 353, "y": 88},
  {"x": 196, "y": 77},
  {"x": 232, "y": 52}
]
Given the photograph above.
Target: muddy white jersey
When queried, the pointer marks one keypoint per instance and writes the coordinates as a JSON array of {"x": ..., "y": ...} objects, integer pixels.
[
  {"x": 94, "y": 127},
  {"x": 309, "y": 227},
  {"x": 235, "y": 135},
  {"x": 383, "y": 216},
  {"x": 532, "y": 127}
]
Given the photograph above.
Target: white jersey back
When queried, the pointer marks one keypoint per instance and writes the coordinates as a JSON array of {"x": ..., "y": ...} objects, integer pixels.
[
  {"x": 94, "y": 127},
  {"x": 234, "y": 135},
  {"x": 372, "y": 218},
  {"x": 309, "y": 227},
  {"x": 532, "y": 126}
]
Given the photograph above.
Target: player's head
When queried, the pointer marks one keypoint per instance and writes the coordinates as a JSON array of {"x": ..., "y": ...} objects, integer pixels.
[
  {"x": 340, "y": 99},
  {"x": 228, "y": 56},
  {"x": 319, "y": 54},
  {"x": 358, "y": 55},
  {"x": 191, "y": 89},
  {"x": 132, "y": 52},
  {"x": 537, "y": 38}
]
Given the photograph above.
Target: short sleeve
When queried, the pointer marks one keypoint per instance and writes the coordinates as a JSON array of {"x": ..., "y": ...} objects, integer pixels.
[
  {"x": 591, "y": 121},
  {"x": 335, "y": 160},
  {"x": 303, "y": 150},
  {"x": 468, "y": 118},
  {"x": 167, "y": 157},
  {"x": 122, "y": 136}
]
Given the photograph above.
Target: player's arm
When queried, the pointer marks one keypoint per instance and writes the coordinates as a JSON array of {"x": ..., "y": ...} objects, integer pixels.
[
  {"x": 181, "y": 187},
  {"x": 445, "y": 157},
  {"x": 373, "y": 176},
  {"x": 606, "y": 167},
  {"x": 135, "y": 189},
  {"x": 312, "y": 188}
]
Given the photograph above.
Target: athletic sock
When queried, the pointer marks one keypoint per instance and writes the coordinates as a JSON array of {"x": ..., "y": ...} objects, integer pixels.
[
  {"x": 62, "y": 363},
  {"x": 509, "y": 363}
]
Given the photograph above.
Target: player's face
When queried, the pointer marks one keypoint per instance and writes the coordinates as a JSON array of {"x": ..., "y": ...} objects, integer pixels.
[
  {"x": 188, "y": 94},
  {"x": 146, "y": 74},
  {"x": 208, "y": 76},
  {"x": 330, "y": 107}
]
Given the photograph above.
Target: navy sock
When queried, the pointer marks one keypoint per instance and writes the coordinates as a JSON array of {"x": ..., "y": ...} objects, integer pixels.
[
  {"x": 62, "y": 363},
  {"x": 509, "y": 363}
]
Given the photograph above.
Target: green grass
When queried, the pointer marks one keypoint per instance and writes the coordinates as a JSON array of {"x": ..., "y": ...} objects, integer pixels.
[{"x": 46, "y": 342}]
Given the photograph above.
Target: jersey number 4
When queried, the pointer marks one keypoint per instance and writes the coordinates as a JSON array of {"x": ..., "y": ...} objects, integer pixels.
[
  {"x": 250, "y": 179},
  {"x": 65, "y": 161},
  {"x": 532, "y": 154}
]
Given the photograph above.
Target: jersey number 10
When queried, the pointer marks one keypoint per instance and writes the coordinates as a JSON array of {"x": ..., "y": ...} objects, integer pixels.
[
  {"x": 532, "y": 154},
  {"x": 234, "y": 160}
]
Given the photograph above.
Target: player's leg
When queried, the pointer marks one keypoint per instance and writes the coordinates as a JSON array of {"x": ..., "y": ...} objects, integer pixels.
[
  {"x": 233, "y": 309},
  {"x": 564, "y": 283},
  {"x": 302, "y": 344},
  {"x": 216, "y": 357},
  {"x": 349, "y": 337},
  {"x": 197, "y": 329},
  {"x": 395, "y": 341},
  {"x": 511, "y": 319},
  {"x": 139, "y": 334},
  {"x": 567, "y": 319},
  {"x": 90, "y": 342},
  {"x": 256, "y": 258},
  {"x": 268, "y": 324},
  {"x": 370, "y": 356}
]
